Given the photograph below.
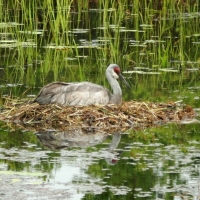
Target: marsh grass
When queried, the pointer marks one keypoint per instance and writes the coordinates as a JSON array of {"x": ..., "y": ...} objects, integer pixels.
[{"x": 137, "y": 34}]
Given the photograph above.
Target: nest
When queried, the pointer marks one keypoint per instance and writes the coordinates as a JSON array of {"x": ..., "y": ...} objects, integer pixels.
[{"x": 109, "y": 117}]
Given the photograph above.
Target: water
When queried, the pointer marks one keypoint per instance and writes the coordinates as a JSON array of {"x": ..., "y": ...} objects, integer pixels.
[
  {"x": 160, "y": 59},
  {"x": 157, "y": 163}
]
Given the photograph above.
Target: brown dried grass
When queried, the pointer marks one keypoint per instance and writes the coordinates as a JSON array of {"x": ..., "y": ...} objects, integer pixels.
[{"x": 128, "y": 114}]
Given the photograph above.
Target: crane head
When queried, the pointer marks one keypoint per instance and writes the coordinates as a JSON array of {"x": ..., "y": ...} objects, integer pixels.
[{"x": 115, "y": 71}]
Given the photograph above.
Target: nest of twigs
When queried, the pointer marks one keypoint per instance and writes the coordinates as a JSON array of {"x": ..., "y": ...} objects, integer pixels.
[{"x": 128, "y": 114}]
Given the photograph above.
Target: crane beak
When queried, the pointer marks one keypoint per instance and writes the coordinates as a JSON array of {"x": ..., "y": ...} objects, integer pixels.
[{"x": 124, "y": 80}]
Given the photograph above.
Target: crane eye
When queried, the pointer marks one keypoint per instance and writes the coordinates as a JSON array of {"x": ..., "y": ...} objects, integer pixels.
[{"x": 117, "y": 70}]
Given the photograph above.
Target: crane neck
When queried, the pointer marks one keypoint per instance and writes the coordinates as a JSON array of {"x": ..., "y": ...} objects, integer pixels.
[{"x": 114, "y": 85}]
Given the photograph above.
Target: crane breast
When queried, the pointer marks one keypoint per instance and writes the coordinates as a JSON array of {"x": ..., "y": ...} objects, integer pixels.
[{"x": 86, "y": 94}]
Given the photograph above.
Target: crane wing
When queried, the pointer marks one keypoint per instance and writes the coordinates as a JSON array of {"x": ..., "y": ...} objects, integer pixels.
[{"x": 83, "y": 93}]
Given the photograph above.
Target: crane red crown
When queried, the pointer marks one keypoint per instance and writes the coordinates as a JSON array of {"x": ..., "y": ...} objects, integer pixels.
[{"x": 117, "y": 70}]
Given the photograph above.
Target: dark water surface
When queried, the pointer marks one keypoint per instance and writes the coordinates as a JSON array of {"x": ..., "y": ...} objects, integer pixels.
[{"x": 158, "y": 51}]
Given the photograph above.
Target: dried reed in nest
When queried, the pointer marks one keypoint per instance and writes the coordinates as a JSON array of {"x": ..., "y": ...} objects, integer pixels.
[{"x": 128, "y": 114}]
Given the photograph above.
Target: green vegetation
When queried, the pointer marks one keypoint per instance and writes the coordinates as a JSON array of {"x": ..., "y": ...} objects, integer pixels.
[{"x": 73, "y": 40}]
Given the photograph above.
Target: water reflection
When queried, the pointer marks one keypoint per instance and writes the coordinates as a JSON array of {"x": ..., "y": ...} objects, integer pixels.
[
  {"x": 74, "y": 137},
  {"x": 79, "y": 137},
  {"x": 151, "y": 163}
]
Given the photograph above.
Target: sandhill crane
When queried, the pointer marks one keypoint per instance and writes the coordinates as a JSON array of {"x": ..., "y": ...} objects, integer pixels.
[{"x": 83, "y": 93}]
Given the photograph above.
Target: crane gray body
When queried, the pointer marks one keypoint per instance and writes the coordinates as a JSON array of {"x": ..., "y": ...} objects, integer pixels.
[{"x": 83, "y": 93}]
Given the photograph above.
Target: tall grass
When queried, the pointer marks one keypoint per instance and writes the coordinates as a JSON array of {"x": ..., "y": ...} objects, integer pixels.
[{"x": 49, "y": 37}]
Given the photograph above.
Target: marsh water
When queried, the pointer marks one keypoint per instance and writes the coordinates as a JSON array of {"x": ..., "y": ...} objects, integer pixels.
[{"x": 156, "y": 44}]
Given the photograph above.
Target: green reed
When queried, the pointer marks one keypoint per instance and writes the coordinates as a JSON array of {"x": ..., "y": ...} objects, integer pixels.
[{"x": 160, "y": 29}]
